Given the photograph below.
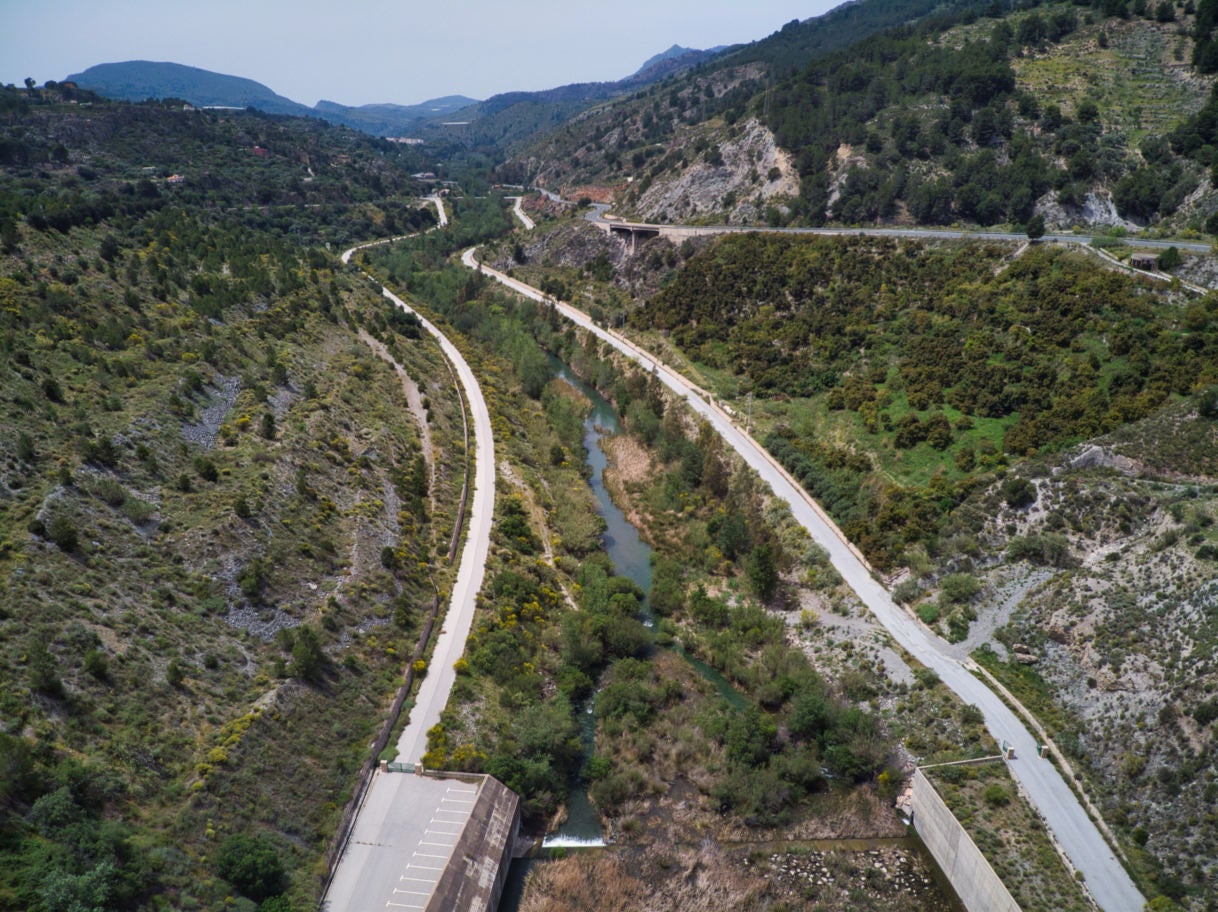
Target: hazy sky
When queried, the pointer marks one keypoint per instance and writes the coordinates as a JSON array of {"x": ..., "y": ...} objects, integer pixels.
[{"x": 363, "y": 51}]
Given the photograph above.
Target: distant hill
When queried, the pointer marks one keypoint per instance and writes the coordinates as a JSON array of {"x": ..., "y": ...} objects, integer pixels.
[
  {"x": 137, "y": 80},
  {"x": 674, "y": 59},
  {"x": 508, "y": 118}
]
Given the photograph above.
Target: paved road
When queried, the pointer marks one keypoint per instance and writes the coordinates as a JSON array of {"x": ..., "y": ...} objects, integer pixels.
[
  {"x": 433, "y": 693},
  {"x": 528, "y": 223},
  {"x": 1075, "y": 832},
  {"x": 597, "y": 215},
  {"x": 394, "y": 860},
  {"x": 439, "y": 204},
  {"x": 392, "y": 802}
]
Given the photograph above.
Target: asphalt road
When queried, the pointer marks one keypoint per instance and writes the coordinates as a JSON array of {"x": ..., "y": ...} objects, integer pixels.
[
  {"x": 368, "y": 877},
  {"x": 443, "y": 216},
  {"x": 597, "y": 216},
  {"x": 401, "y": 843},
  {"x": 433, "y": 693},
  {"x": 519, "y": 213},
  {"x": 1075, "y": 832}
]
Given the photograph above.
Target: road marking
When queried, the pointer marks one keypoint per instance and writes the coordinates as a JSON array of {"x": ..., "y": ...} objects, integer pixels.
[{"x": 425, "y": 855}]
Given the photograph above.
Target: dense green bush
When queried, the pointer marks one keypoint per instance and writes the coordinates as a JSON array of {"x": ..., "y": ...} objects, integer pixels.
[{"x": 252, "y": 865}]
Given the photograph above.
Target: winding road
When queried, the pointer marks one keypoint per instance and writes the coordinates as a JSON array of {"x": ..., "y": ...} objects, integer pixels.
[
  {"x": 518, "y": 211},
  {"x": 1076, "y": 833},
  {"x": 370, "y": 867}
]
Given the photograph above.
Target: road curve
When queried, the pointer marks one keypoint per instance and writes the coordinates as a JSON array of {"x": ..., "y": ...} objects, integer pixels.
[
  {"x": 443, "y": 216},
  {"x": 387, "y": 806},
  {"x": 518, "y": 211},
  {"x": 1075, "y": 832}
]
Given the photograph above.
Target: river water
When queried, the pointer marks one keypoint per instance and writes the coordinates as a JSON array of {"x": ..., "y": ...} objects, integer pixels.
[{"x": 631, "y": 557}]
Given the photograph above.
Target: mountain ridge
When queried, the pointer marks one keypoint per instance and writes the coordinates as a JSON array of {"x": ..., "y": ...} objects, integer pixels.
[{"x": 141, "y": 80}]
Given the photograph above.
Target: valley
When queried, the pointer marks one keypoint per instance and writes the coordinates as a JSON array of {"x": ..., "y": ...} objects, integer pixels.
[{"x": 902, "y": 326}]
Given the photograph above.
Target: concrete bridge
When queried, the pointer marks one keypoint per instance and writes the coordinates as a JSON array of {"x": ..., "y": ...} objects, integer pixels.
[{"x": 633, "y": 232}]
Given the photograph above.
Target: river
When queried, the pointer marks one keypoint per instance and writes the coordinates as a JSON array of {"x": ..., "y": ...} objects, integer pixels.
[{"x": 631, "y": 557}]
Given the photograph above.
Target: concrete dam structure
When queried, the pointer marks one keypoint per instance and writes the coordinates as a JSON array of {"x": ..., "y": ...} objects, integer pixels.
[
  {"x": 450, "y": 853},
  {"x": 971, "y": 876}
]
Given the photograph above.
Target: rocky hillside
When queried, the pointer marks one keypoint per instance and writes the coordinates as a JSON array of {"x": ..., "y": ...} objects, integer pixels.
[
  {"x": 1100, "y": 593},
  {"x": 1087, "y": 116},
  {"x": 219, "y": 504}
]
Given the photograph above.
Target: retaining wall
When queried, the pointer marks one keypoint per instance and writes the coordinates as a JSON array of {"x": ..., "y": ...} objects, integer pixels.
[
  {"x": 974, "y": 881},
  {"x": 478, "y": 868}
]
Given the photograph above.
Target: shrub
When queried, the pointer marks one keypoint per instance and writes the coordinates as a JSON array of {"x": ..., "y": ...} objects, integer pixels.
[
  {"x": 1049, "y": 550},
  {"x": 97, "y": 664},
  {"x": 958, "y": 588},
  {"x": 63, "y": 533},
  {"x": 1206, "y": 712},
  {"x": 308, "y": 659},
  {"x": 252, "y": 865},
  {"x": 1018, "y": 493},
  {"x": 1207, "y": 405},
  {"x": 206, "y": 468},
  {"x": 996, "y": 796},
  {"x": 928, "y": 612}
]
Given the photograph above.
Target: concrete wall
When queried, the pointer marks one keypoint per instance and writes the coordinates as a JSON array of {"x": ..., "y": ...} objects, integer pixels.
[
  {"x": 478, "y": 868},
  {"x": 974, "y": 881}
]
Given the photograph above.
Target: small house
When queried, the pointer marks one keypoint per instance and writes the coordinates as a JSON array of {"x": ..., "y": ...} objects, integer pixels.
[{"x": 1148, "y": 261}]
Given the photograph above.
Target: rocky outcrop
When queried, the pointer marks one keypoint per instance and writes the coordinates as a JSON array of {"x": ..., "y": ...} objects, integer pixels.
[{"x": 737, "y": 177}]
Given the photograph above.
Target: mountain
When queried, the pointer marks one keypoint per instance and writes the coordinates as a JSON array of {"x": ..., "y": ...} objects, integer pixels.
[
  {"x": 981, "y": 116},
  {"x": 503, "y": 121},
  {"x": 137, "y": 80},
  {"x": 674, "y": 52},
  {"x": 390, "y": 119},
  {"x": 673, "y": 60}
]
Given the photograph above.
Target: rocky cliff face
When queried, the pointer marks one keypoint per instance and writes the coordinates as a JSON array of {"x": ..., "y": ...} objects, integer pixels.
[{"x": 739, "y": 175}]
